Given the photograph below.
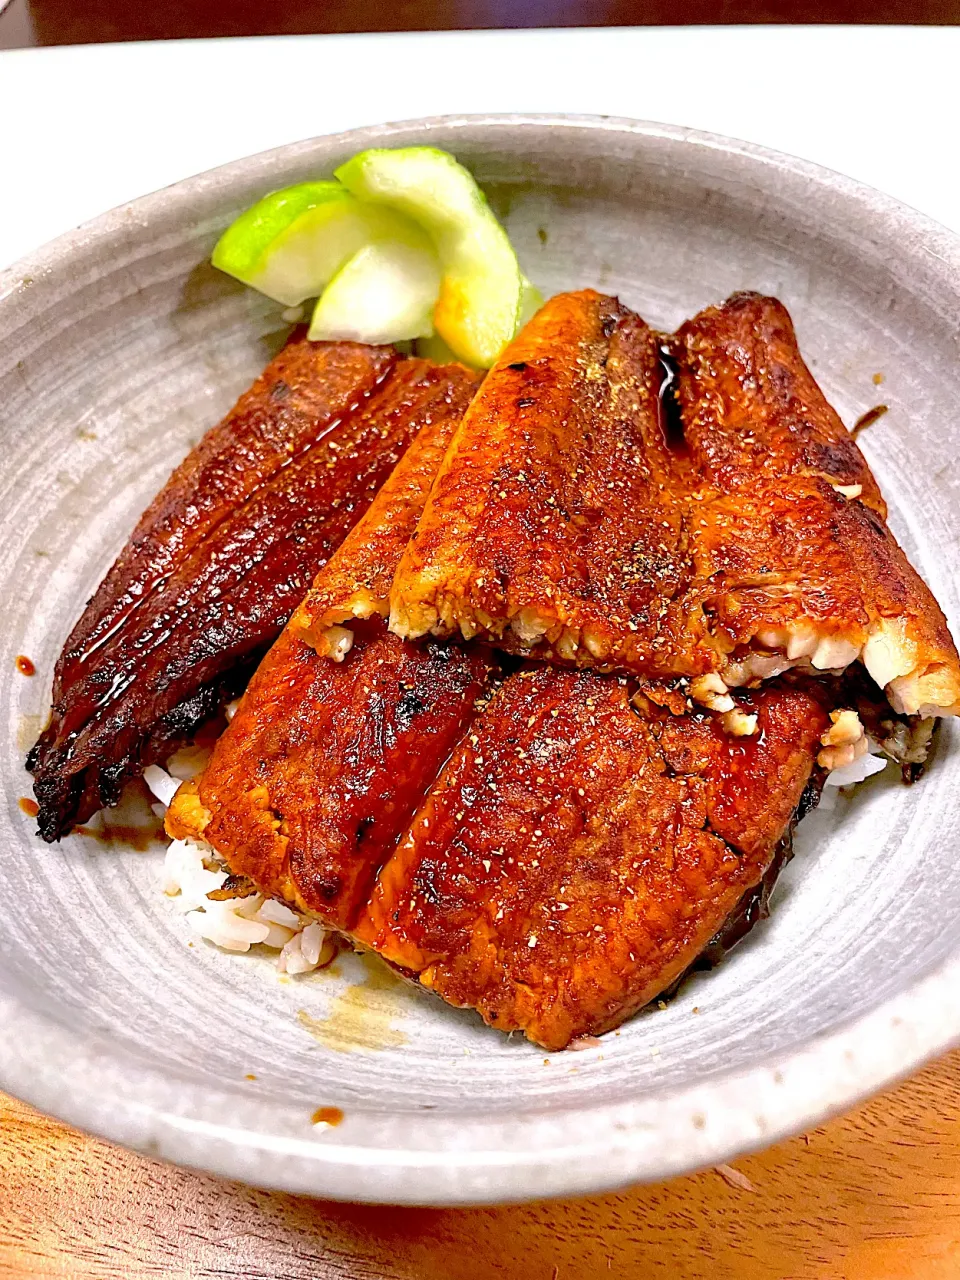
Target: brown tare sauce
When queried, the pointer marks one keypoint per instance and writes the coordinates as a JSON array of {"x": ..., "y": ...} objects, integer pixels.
[
  {"x": 327, "y": 1115},
  {"x": 668, "y": 410},
  {"x": 868, "y": 419},
  {"x": 25, "y": 665},
  {"x": 29, "y": 806},
  {"x": 138, "y": 838}
]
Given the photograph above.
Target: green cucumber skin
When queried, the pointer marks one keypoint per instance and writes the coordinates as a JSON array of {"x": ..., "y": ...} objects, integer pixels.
[
  {"x": 445, "y": 216},
  {"x": 245, "y": 243}
]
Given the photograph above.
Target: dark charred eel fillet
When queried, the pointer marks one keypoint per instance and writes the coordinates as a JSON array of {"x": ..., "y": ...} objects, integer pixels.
[
  {"x": 790, "y": 525},
  {"x": 324, "y": 763},
  {"x": 226, "y": 600},
  {"x": 577, "y": 854},
  {"x": 302, "y": 394}
]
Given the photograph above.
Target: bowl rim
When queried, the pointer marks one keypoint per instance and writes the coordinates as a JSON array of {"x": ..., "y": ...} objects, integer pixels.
[{"x": 96, "y": 1083}]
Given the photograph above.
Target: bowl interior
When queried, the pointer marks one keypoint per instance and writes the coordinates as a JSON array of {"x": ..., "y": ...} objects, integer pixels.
[{"x": 117, "y": 350}]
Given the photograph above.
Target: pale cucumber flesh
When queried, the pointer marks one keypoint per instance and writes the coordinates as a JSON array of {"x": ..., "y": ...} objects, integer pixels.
[
  {"x": 480, "y": 294},
  {"x": 385, "y": 293},
  {"x": 399, "y": 213},
  {"x": 440, "y": 352}
]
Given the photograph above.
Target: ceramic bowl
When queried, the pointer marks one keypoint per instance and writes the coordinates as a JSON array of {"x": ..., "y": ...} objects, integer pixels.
[{"x": 119, "y": 346}]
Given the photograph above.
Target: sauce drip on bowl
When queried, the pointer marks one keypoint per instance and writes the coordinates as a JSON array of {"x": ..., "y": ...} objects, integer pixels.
[{"x": 327, "y": 1115}]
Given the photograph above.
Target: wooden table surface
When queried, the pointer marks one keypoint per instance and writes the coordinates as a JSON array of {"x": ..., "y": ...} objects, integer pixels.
[{"x": 872, "y": 1196}]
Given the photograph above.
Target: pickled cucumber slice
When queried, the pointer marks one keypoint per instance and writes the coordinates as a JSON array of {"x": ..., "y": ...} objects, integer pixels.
[
  {"x": 480, "y": 293},
  {"x": 291, "y": 243},
  {"x": 385, "y": 293},
  {"x": 434, "y": 348},
  {"x": 531, "y": 300}
]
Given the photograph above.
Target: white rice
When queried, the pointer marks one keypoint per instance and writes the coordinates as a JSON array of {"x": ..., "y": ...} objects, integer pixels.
[
  {"x": 161, "y": 784},
  {"x": 864, "y": 767},
  {"x": 828, "y": 801},
  {"x": 192, "y": 870}
]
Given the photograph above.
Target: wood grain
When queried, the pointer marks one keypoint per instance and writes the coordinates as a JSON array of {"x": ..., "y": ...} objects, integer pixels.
[{"x": 872, "y": 1196}]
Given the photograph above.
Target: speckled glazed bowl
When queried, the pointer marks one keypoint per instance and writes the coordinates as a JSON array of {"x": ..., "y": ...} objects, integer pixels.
[{"x": 119, "y": 345}]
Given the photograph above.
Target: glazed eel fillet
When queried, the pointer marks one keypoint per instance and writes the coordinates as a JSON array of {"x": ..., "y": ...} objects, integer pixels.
[
  {"x": 221, "y": 558},
  {"x": 685, "y": 508},
  {"x": 325, "y": 761},
  {"x": 574, "y": 855},
  {"x": 577, "y": 855}
]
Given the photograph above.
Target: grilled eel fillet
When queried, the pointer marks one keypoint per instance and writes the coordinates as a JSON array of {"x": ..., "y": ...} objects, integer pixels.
[
  {"x": 573, "y": 858},
  {"x": 325, "y": 761},
  {"x": 797, "y": 537},
  {"x": 221, "y": 558},
  {"x": 575, "y": 855},
  {"x": 692, "y": 511},
  {"x": 356, "y": 582},
  {"x": 324, "y": 764},
  {"x": 656, "y": 826}
]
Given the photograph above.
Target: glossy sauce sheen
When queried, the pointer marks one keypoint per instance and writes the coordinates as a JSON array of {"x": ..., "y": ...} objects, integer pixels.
[
  {"x": 25, "y": 665},
  {"x": 358, "y": 580},
  {"x": 559, "y": 494},
  {"x": 576, "y": 855},
  {"x": 324, "y": 763},
  {"x": 751, "y": 408},
  {"x": 225, "y": 595},
  {"x": 301, "y": 395},
  {"x": 781, "y": 543},
  {"x": 628, "y": 502}
]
